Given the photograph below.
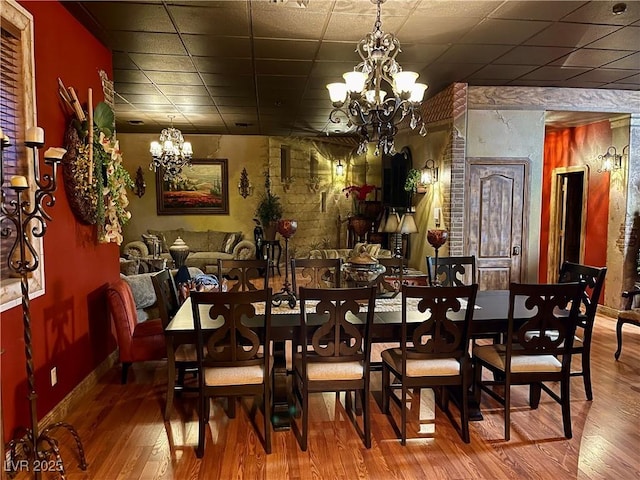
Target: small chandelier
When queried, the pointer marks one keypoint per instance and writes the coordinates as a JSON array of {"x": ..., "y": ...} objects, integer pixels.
[
  {"x": 171, "y": 153},
  {"x": 361, "y": 99}
]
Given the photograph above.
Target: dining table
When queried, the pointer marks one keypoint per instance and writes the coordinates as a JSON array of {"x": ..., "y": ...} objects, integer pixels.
[{"x": 490, "y": 317}]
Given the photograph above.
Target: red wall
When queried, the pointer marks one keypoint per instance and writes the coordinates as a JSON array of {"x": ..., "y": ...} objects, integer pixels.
[
  {"x": 70, "y": 325},
  {"x": 572, "y": 147}
]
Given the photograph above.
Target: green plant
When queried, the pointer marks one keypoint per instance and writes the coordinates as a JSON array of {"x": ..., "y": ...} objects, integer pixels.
[
  {"x": 413, "y": 179},
  {"x": 269, "y": 208}
]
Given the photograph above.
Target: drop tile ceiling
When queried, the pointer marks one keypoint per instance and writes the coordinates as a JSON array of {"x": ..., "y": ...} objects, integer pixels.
[{"x": 260, "y": 66}]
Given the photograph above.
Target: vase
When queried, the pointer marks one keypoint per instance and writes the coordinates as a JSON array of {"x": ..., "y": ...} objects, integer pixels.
[
  {"x": 287, "y": 228},
  {"x": 179, "y": 251},
  {"x": 360, "y": 225},
  {"x": 270, "y": 230}
]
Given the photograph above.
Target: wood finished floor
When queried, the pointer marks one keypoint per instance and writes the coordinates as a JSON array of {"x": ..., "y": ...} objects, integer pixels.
[{"x": 125, "y": 436}]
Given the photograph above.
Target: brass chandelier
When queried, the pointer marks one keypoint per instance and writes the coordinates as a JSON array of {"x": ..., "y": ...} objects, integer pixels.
[
  {"x": 374, "y": 111},
  {"x": 171, "y": 153}
]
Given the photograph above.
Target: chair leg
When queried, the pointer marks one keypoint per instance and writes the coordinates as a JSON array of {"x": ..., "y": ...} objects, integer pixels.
[
  {"x": 586, "y": 372},
  {"x": 535, "y": 389},
  {"x": 464, "y": 412},
  {"x": 125, "y": 371},
  {"x": 507, "y": 411},
  {"x": 403, "y": 416},
  {"x": 385, "y": 388},
  {"x": 202, "y": 421},
  {"x": 565, "y": 391},
  {"x": 366, "y": 417},
  {"x": 267, "y": 418},
  {"x": 171, "y": 384},
  {"x": 619, "y": 337},
  {"x": 231, "y": 407},
  {"x": 305, "y": 417}
]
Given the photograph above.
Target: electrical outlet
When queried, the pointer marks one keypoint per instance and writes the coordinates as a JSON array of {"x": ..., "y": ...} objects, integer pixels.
[{"x": 54, "y": 376}]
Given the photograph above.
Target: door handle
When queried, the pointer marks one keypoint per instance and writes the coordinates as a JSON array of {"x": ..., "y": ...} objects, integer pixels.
[{"x": 515, "y": 251}]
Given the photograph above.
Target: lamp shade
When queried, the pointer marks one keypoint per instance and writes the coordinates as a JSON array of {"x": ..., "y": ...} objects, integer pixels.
[
  {"x": 391, "y": 226},
  {"x": 337, "y": 92},
  {"x": 407, "y": 224}
]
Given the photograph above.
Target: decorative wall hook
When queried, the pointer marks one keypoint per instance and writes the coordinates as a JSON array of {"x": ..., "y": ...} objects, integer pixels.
[
  {"x": 245, "y": 188},
  {"x": 140, "y": 186},
  {"x": 313, "y": 184}
]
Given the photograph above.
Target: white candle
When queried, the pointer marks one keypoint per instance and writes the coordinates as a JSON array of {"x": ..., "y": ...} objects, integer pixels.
[
  {"x": 19, "y": 181},
  {"x": 35, "y": 135},
  {"x": 55, "y": 153}
]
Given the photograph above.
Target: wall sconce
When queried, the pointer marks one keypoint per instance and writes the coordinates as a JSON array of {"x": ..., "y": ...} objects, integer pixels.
[
  {"x": 429, "y": 173},
  {"x": 612, "y": 160},
  {"x": 139, "y": 186},
  {"x": 245, "y": 188},
  {"x": 339, "y": 169}
]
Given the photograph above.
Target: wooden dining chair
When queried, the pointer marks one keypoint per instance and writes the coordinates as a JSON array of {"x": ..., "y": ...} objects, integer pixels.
[
  {"x": 629, "y": 314},
  {"x": 180, "y": 357},
  {"x": 231, "y": 362},
  {"x": 315, "y": 273},
  {"x": 337, "y": 359},
  {"x": 538, "y": 347},
  {"x": 390, "y": 281},
  {"x": 452, "y": 271},
  {"x": 434, "y": 353},
  {"x": 244, "y": 275},
  {"x": 594, "y": 281}
]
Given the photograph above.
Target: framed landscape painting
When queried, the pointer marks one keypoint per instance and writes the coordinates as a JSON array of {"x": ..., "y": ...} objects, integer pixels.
[{"x": 201, "y": 189}]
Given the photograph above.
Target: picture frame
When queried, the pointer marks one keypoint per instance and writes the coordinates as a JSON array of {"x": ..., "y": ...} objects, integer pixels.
[{"x": 200, "y": 189}]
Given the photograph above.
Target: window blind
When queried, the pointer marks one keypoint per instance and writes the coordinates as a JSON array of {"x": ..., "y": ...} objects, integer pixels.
[{"x": 10, "y": 121}]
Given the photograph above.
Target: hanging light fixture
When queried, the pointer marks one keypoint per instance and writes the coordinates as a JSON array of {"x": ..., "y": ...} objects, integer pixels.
[
  {"x": 171, "y": 153},
  {"x": 361, "y": 99},
  {"x": 339, "y": 168}
]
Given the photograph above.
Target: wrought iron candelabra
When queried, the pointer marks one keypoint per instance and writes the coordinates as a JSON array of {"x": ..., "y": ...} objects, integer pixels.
[
  {"x": 27, "y": 219},
  {"x": 286, "y": 228}
]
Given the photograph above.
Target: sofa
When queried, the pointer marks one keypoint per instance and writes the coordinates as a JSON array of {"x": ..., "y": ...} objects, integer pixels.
[
  {"x": 373, "y": 249},
  {"x": 205, "y": 247}
]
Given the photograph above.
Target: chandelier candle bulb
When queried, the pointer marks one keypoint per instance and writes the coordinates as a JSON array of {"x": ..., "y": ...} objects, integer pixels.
[
  {"x": 35, "y": 135},
  {"x": 19, "y": 181}
]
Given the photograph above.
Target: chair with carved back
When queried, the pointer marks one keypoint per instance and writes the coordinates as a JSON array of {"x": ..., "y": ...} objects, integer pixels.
[
  {"x": 244, "y": 275},
  {"x": 180, "y": 357},
  {"x": 434, "y": 353},
  {"x": 234, "y": 353},
  {"x": 594, "y": 281},
  {"x": 537, "y": 349},
  {"x": 452, "y": 271},
  {"x": 337, "y": 356},
  {"x": 315, "y": 273}
]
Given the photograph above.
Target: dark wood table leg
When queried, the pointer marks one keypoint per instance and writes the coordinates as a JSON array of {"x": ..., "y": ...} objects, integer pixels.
[{"x": 280, "y": 416}]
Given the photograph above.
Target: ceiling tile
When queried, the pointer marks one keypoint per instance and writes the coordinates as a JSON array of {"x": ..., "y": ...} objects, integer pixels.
[
  {"x": 525, "y": 55},
  {"x": 535, "y": 10},
  {"x": 227, "y": 80},
  {"x": 161, "y": 110},
  {"x": 130, "y": 76},
  {"x": 121, "y": 61},
  {"x": 139, "y": 17},
  {"x": 143, "y": 42},
  {"x": 184, "y": 90},
  {"x": 459, "y": 8},
  {"x": 230, "y": 19},
  {"x": 627, "y": 38},
  {"x": 554, "y": 73},
  {"x": 197, "y": 109},
  {"x": 174, "y": 78},
  {"x": 136, "y": 88},
  {"x": 564, "y": 34},
  {"x": 226, "y": 66},
  {"x": 630, "y": 62},
  {"x": 298, "y": 23},
  {"x": 170, "y": 63},
  {"x": 268, "y": 48},
  {"x": 283, "y": 67},
  {"x": 352, "y": 27},
  {"x": 423, "y": 28},
  {"x": 190, "y": 100},
  {"x": 604, "y": 75},
  {"x": 217, "y": 46},
  {"x": 601, "y": 12},
  {"x": 226, "y": 109},
  {"x": 145, "y": 99},
  {"x": 589, "y": 57},
  {"x": 233, "y": 91},
  {"x": 235, "y": 101},
  {"x": 506, "y": 32},
  {"x": 506, "y": 72},
  {"x": 473, "y": 53}
]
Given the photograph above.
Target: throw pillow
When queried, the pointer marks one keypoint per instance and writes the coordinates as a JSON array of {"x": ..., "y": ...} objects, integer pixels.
[
  {"x": 230, "y": 241},
  {"x": 371, "y": 248},
  {"x": 142, "y": 288}
]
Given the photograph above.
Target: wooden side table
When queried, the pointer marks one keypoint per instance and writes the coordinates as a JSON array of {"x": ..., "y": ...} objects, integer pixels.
[{"x": 271, "y": 250}]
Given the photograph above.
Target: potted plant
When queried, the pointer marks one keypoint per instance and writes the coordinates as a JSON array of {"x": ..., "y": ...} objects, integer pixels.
[{"x": 269, "y": 210}]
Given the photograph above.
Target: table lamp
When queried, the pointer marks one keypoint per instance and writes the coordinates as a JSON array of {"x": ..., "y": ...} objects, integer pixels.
[{"x": 406, "y": 227}]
